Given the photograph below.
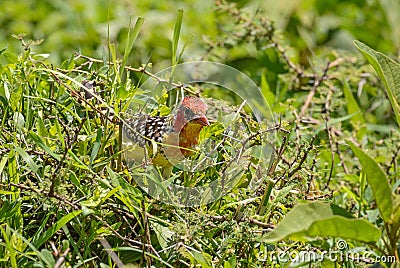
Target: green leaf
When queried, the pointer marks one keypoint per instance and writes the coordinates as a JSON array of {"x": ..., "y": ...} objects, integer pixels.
[
  {"x": 395, "y": 218},
  {"x": 15, "y": 97},
  {"x": 41, "y": 128},
  {"x": 96, "y": 146},
  {"x": 27, "y": 158},
  {"x": 353, "y": 108},
  {"x": 378, "y": 181},
  {"x": 8, "y": 209},
  {"x": 177, "y": 32},
  {"x": 47, "y": 257},
  {"x": 202, "y": 258},
  {"x": 59, "y": 133},
  {"x": 352, "y": 105},
  {"x": 266, "y": 91},
  {"x": 10, "y": 248},
  {"x": 319, "y": 220},
  {"x": 42, "y": 145},
  {"x": 132, "y": 36},
  {"x": 11, "y": 57},
  {"x": 19, "y": 120},
  {"x": 164, "y": 234},
  {"x": 113, "y": 54},
  {"x": 13, "y": 167},
  {"x": 53, "y": 229},
  {"x": 3, "y": 163},
  {"x": 388, "y": 71}
]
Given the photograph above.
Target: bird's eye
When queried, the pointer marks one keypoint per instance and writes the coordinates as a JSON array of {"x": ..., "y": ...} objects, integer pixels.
[{"x": 189, "y": 114}]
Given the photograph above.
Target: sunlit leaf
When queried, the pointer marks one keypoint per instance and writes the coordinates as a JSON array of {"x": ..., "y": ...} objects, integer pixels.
[
  {"x": 389, "y": 72},
  {"x": 322, "y": 220},
  {"x": 378, "y": 181}
]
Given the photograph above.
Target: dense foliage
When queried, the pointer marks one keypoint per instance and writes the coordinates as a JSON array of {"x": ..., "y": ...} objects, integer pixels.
[{"x": 68, "y": 199}]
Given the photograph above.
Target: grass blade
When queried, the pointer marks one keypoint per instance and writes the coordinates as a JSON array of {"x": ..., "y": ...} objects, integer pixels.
[
  {"x": 177, "y": 32},
  {"x": 42, "y": 145},
  {"x": 53, "y": 229},
  {"x": 132, "y": 36},
  {"x": 96, "y": 147},
  {"x": 28, "y": 159}
]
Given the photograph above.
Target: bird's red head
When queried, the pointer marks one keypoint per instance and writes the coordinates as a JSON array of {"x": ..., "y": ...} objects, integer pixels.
[
  {"x": 193, "y": 110},
  {"x": 189, "y": 120}
]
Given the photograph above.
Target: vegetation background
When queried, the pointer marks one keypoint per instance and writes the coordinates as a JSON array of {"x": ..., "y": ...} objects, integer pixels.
[{"x": 67, "y": 201}]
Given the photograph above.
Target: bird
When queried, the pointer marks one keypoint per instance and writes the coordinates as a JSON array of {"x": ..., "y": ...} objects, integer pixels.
[{"x": 165, "y": 140}]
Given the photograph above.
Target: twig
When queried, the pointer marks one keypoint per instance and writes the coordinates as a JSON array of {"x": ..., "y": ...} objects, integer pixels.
[
  {"x": 393, "y": 160},
  {"x": 81, "y": 98},
  {"x": 313, "y": 90},
  {"x": 41, "y": 192},
  {"x": 249, "y": 219},
  {"x": 304, "y": 157},
  {"x": 146, "y": 236},
  {"x": 111, "y": 253},
  {"x": 341, "y": 159},
  {"x": 139, "y": 70},
  {"x": 61, "y": 260},
  {"x": 68, "y": 145}
]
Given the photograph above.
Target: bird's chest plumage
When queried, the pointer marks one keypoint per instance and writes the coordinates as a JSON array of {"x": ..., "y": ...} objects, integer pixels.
[{"x": 189, "y": 137}]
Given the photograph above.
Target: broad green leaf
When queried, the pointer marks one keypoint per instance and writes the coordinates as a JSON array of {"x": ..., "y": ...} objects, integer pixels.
[
  {"x": 42, "y": 145},
  {"x": 388, "y": 71},
  {"x": 100, "y": 197},
  {"x": 319, "y": 220},
  {"x": 395, "y": 219},
  {"x": 378, "y": 181},
  {"x": 163, "y": 233},
  {"x": 53, "y": 229},
  {"x": 47, "y": 257},
  {"x": 76, "y": 181},
  {"x": 109, "y": 194},
  {"x": 231, "y": 262},
  {"x": 338, "y": 226}
]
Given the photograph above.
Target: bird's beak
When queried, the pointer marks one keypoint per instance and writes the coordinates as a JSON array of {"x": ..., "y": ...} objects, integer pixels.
[{"x": 202, "y": 120}]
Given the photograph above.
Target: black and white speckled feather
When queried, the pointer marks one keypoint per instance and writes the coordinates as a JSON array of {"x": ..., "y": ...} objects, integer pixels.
[{"x": 141, "y": 129}]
